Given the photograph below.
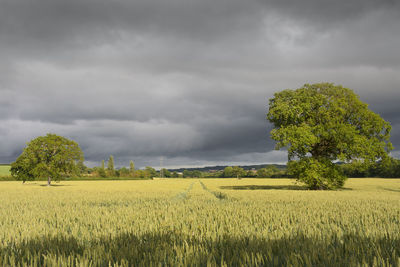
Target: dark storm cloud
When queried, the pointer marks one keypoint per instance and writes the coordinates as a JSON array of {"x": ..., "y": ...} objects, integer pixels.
[
  {"x": 188, "y": 80},
  {"x": 54, "y": 27},
  {"x": 331, "y": 11}
]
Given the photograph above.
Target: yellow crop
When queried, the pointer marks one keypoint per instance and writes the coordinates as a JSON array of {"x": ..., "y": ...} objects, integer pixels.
[{"x": 189, "y": 222}]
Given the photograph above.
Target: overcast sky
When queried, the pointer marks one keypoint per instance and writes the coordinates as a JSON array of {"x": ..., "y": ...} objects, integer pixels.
[{"x": 185, "y": 79}]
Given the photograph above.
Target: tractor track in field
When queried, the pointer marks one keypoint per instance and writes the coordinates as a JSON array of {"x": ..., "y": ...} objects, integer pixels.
[
  {"x": 217, "y": 194},
  {"x": 184, "y": 195}
]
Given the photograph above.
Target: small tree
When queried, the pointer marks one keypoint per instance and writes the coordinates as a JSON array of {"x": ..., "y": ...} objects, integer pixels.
[
  {"x": 263, "y": 173},
  {"x": 388, "y": 167},
  {"x": 228, "y": 172},
  {"x": 49, "y": 156},
  {"x": 101, "y": 172},
  {"x": 150, "y": 172},
  {"x": 320, "y": 123},
  {"x": 197, "y": 174},
  {"x": 267, "y": 172},
  {"x": 124, "y": 172},
  {"x": 165, "y": 173},
  {"x": 110, "y": 166},
  {"x": 140, "y": 174},
  {"x": 186, "y": 174},
  {"x": 251, "y": 174},
  {"x": 81, "y": 168},
  {"x": 237, "y": 172},
  {"x": 131, "y": 168}
]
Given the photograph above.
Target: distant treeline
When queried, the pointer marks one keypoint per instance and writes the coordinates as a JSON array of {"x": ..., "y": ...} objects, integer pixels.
[
  {"x": 221, "y": 168},
  {"x": 149, "y": 172},
  {"x": 110, "y": 171},
  {"x": 388, "y": 168},
  {"x": 251, "y": 171},
  {"x": 269, "y": 171}
]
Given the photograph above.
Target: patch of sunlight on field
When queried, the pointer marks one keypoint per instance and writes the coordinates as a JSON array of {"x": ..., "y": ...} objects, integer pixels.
[
  {"x": 180, "y": 222},
  {"x": 356, "y": 188}
]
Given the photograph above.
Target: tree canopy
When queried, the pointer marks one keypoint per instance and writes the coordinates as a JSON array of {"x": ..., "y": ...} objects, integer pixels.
[
  {"x": 49, "y": 156},
  {"x": 320, "y": 123}
]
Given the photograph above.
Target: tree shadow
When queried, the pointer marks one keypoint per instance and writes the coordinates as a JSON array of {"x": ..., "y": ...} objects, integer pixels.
[
  {"x": 345, "y": 189},
  {"x": 171, "y": 248},
  {"x": 264, "y": 187},
  {"x": 391, "y": 190},
  {"x": 55, "y": 185},
  {"x": 273, "y": 187},
  {"x": 30, "y": 184}
]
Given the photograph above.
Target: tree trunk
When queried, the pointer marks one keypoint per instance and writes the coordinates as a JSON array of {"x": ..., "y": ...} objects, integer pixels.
[{"x": 49, "y": 181}]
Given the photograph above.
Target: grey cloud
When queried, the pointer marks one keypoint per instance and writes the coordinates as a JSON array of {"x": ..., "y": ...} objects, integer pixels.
[{"x": 188, "y": 80}]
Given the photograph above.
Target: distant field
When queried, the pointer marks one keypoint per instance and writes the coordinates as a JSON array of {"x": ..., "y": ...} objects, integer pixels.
[
  {"x": 189, "y": 222},
  {"x": 4, "y": 170}
]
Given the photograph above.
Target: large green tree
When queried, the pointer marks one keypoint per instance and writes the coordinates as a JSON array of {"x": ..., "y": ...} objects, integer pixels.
[
  {"x": 321, "y": 123},
  {"x": 49, "y": 156}
]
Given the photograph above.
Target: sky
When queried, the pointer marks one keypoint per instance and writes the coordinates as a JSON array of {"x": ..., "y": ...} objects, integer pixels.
[{"x": 187, "y": 80}]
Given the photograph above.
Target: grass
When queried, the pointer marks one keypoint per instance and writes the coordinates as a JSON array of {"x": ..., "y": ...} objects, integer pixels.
[
  {"x": 5, "y": 174},
  {"x": 215, "y": 222},
  {"x": 5, "y": 170}
]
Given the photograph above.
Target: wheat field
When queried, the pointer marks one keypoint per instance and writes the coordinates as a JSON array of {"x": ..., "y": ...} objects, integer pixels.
[{"x": 207, "y": 222}]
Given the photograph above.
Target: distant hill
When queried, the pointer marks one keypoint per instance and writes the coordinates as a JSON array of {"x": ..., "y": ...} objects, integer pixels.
[{"x": 221, "y": 168}]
